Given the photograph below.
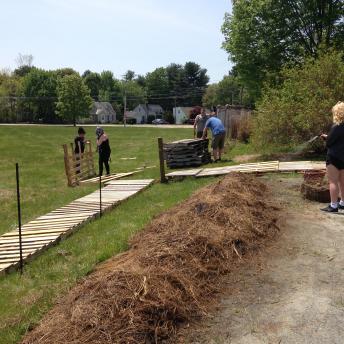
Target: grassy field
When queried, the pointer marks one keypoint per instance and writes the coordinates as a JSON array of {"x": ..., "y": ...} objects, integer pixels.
[{"x": 25, "y": 299}]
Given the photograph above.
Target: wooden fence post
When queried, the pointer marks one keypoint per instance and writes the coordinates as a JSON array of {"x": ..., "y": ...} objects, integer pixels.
[
  {"x": 67, "y": 166},
  {"x": 163, "y": 178}
]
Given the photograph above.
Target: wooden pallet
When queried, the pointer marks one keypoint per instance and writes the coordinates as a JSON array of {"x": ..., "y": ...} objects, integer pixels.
[
  {"x": 259, "y": 167},
  {"x": 184, "y": 153},
  {"x": 49, "y": 229},
  {"x": 78, "y": 166},
  {"x": 108, "y": 178}
]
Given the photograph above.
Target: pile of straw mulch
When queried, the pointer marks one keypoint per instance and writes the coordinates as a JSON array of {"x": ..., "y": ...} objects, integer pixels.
[{"x": 171, "y": 273}]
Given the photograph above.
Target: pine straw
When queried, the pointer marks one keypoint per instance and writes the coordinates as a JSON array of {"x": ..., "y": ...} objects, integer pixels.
[{"x": 171, "y": 273}]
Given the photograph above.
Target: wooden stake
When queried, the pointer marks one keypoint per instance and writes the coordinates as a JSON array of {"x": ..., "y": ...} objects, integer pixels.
[
  {"x": 67, "y": 167},
  {"x": 163, "y": 178}
]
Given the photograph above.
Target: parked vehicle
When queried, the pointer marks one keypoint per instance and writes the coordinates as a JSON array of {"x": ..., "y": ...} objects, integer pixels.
[{"x": 159, "y": 121}]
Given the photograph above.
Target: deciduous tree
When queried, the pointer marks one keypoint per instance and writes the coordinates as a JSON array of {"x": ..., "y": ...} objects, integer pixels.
[
  {"x": 39, "y": 90},
  {"x": 263, "y": 35},
  {"x": 93, "y": 82},
  {"x": 300, "y": 107},
  {"x": 74, "y": 100}
]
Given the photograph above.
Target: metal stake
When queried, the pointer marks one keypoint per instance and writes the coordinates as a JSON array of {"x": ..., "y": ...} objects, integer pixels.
[
  {"x": 100, "y": 195},
  {"x": 19, "y": 221}
]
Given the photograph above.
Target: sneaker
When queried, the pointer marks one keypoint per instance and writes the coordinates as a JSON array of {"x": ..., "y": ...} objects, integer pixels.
[
  {"x": 329, "y": 209},
  {"x": 341, "y": 207}
]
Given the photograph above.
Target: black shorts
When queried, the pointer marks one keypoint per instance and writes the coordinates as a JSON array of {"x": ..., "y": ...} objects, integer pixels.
[
  {"x": 218, "y": 141},
  {"x": 338, "y": 164}
]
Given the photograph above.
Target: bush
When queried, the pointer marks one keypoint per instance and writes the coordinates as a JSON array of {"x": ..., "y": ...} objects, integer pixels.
[
  {"x": 301, "y": 106},
  {"x": 169, "y": 117},
  {"x": 150, "y": 119},
  {"x": 244, "y": 129},
  {"x": 131, "y": 121}
]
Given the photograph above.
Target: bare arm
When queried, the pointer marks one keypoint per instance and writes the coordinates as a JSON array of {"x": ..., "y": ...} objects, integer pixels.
[
  {"x": 101, "y": 139},
  {"x": 205, "y": 132},
  {"x": 195, "y": 125}
]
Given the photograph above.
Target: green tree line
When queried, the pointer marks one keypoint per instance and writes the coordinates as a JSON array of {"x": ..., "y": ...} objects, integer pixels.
[
  {"x": 288, "y": 57},
  {"x": 33, "y": 94}
]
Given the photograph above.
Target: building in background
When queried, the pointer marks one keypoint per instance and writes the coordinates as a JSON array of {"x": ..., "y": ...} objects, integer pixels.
[
  {"x": 103, "y": 112},
  {"x": 181, "y": 114},
  {"x": 144, "y": 113}
]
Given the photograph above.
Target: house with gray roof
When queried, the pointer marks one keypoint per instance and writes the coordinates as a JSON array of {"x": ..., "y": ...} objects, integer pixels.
[
  {"x": 103, "y": 112},
  {"x": 143, "y": 111}
]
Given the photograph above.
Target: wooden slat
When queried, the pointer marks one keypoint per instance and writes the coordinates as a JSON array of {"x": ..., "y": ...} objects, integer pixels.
[
  {"x": 36, "y": 232},
  {"x": 256, "y": 167},
  {"x": 185, "y": 173},
  {"x": 50, "y": 228},
  {"x": 108, "y": 178},
  {"x": 27, "y": 240}
]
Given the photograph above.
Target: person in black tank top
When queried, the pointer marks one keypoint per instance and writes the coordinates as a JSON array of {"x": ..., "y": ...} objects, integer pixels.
[
  {"x": 104, "y": 151},
  {"x": 335, "y": 159}
]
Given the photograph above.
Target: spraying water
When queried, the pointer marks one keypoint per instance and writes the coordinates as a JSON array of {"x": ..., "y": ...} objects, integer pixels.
[{"x": 303, "y": 146}]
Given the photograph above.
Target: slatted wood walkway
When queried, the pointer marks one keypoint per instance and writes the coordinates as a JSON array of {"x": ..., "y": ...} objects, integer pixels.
[
  {"x": 258, "y": 167},
  {"x": 49, "y": 229},
  {"x": 108, "y": 178}
]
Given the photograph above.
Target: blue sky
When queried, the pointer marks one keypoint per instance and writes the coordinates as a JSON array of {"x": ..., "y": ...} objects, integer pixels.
[{"x": 114, "y": 35}]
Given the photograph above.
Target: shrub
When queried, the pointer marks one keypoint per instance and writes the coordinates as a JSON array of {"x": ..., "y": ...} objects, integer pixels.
[
  {"x": 150, "y": 119},
  {"x": 131, "y": 121},
  {"x": 244, "y": 129},
  {"x": 169, "y": 117},
  {"x": 301, "y": 106}
]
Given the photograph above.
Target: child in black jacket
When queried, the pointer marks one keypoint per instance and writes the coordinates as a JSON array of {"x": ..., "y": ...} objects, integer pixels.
[{"x": 104, "y": 151}]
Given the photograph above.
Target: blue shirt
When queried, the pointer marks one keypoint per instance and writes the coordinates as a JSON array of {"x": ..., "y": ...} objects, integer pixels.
[{"x": 215, "y": 126}]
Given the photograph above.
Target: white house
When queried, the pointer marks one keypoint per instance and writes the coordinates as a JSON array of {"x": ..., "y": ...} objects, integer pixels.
[
  {"x": 103, "y": 112},
  {"x": 143, "y": 111},
  {"x": 181, "y": 114}
]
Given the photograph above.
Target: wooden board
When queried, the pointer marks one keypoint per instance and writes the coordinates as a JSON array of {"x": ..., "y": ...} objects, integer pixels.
[
  {"x": 257, "y": 167},
  {"x": 185, "y": 173},
  {"x": 49, "y": 229},
  {"x": 297, "y": 166},
  {"x": 131, "y": 182},
  {"x": 107, "y": 178}
]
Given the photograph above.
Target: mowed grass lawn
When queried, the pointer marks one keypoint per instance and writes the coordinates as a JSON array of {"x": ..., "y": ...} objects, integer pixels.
[{"x": 38, "y": 150}]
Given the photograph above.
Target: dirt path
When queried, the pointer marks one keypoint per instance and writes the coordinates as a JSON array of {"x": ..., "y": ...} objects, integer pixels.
[{"x": 296, "y": 294}]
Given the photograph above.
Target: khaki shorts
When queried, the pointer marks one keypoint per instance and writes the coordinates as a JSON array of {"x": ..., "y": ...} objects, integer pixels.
[{"x": 218, "y": 141}]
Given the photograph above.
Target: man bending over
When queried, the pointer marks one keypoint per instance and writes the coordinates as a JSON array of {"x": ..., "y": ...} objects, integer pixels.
[{"x": 218, "y": 132}]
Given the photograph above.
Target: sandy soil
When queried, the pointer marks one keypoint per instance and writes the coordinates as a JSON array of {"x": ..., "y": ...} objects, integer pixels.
[{"x": 294, "y": 293}]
